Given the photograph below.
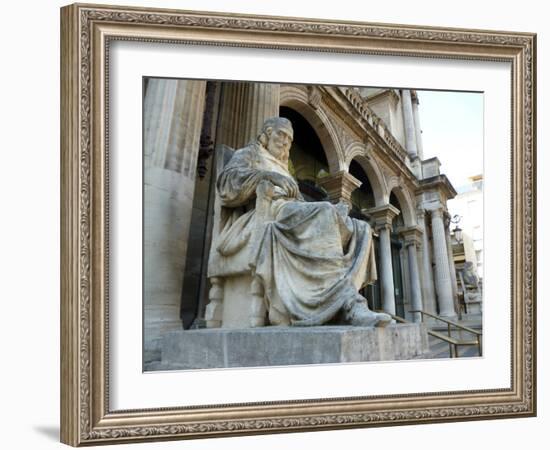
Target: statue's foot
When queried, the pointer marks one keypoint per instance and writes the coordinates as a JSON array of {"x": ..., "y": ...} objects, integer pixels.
[{"x": 361, "y": 316}]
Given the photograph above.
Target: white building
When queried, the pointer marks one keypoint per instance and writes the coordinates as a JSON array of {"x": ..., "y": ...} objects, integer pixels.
[{"x": 467, "y": 209}]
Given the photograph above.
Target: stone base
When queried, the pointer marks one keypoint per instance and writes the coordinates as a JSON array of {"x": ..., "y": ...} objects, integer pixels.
[{"x": 283, "y": 346}]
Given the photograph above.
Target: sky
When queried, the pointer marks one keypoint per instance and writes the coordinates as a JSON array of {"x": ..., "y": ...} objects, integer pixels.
[{"x": 452, "y": 130}]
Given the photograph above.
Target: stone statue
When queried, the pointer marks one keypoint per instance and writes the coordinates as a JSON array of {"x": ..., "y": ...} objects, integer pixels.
[
  {"x": 306, "y": 260},
  {"x": 471, "y": 288},
  {"x": 470, "y": 276}
]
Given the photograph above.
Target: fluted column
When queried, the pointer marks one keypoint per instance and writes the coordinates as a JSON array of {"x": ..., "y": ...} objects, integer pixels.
[
  {"x": 383, "y": 217},
  {"x": 428, "y": 293},
  {"x": 442, "y": 273},
  {"x": 245, "y": 107},
  {"x": 408, "y": 119},
  {"x": 173, "y": 111},
  {"x": 417, "y": 127},
  {"x": 340, "y": 186},
  {"x": 412, "y": 237}
]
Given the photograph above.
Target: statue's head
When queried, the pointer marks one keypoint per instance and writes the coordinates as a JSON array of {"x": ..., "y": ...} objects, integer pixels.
[{"x": 276, "y": 136}]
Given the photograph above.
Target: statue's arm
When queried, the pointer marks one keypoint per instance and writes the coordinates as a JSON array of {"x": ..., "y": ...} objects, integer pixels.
[
  {"x": 239, "y": 180},
  {"x": 237, "y": 183}
]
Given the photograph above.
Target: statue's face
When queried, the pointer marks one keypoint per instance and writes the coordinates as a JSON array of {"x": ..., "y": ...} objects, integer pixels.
[{"x": 279, "y": 141}]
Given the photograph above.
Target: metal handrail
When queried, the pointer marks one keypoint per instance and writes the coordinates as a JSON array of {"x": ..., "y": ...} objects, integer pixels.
[
  {"x": 453, "y": 343},
  {"x": 448, "y": 322}
]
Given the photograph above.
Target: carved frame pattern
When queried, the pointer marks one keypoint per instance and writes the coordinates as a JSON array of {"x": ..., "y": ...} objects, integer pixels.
[{"x": 86, "y": 418}]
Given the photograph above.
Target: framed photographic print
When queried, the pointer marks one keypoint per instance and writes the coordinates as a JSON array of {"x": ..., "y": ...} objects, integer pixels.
[{"x": 276, "y": 224}]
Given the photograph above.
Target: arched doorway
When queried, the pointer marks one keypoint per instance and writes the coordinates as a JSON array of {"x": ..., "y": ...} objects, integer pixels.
[{"x": 308, "y": 162}]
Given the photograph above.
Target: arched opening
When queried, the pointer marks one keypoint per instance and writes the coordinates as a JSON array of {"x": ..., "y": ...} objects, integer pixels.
[
  {"x": 407, "y": 217},
  {"x": 363, "y": 168},
  {"x": 362, "y": 198},
  {"x": 308, "y": 162}
]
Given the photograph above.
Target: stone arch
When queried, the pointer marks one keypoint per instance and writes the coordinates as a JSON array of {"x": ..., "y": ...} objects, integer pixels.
[
  {"x": 353, "y": 150},
  {"x": 370, "y": 167},
  {"x": 297, "y": 99},
  {"x": 407, "y": 205}
]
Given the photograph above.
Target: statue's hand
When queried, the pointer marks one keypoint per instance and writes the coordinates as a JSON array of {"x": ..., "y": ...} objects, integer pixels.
[
  {"x": 288, "y": 184},
  {"x": 265, "y": 189}
]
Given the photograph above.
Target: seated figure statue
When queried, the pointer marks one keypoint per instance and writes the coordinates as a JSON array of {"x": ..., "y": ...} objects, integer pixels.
[{"x": 305, "y": 261}]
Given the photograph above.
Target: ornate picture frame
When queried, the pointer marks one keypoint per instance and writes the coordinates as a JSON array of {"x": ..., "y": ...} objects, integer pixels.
[{"x": 87, "y": 32}]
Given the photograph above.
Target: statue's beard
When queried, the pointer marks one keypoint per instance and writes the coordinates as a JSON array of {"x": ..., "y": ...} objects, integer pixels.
[{"x": 277, "y": 151}]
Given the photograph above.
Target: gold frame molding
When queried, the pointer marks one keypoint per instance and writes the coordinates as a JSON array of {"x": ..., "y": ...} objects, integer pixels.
[{"x": 86, "y": 31}]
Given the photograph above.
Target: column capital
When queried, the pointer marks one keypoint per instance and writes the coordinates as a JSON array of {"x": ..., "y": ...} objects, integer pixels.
[
  {"x": 411, "y": 235},
  {"x": 383, "y": 215},
  {"x": 339, "y": 186},
  {"x": 436, "y": 209}
]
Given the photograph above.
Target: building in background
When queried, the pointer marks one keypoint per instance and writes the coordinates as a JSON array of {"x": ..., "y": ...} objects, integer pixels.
[
  {"x": 466, "y": 210},
  {"x": 358, "y": 145}
]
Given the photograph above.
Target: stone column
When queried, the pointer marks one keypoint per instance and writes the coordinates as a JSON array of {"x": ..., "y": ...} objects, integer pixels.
[
  {"x": 245, "y": 107},
  {"x": 408, "y": 119},
  {"x": 412, "y": 237},
  {"x": 417, "y": 128},
  {"x": 428, "y": 293},
  {"x": 443, "y": 284},
  {"x": 452, "y": 268},
  {"x": 339, "y": 186},
  {"x": 173, "y": 111},
  {"x": 383, "y": 217}
]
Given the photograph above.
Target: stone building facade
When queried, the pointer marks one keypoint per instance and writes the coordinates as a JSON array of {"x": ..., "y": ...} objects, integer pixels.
[{"x": 358, "y": 145}]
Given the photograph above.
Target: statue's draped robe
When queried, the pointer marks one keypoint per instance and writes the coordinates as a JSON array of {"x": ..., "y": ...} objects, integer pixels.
[{"x": 311, "y": 257}]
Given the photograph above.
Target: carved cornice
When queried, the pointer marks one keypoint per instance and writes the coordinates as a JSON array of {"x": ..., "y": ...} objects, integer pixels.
[
  {"x": 383, "y": 216},
  {"x": 412, "y": 235},
  {"x": 439, "y": 183},
  {"x": 339, "y": 186}
]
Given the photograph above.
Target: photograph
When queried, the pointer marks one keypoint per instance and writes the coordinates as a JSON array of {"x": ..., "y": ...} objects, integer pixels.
[{"x": 290, "y": 224}]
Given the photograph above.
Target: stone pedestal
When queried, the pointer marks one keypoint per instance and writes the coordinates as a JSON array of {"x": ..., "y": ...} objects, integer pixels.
[{"x": 283, "y": 346}]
